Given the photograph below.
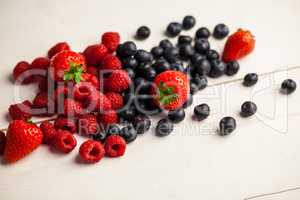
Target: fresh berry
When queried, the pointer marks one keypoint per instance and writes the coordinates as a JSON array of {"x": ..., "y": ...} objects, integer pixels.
[
  {"x": 201, "y": 111},
  {"x": 128, "y": 133},
  {"x": 98, "y": 102},
  {"x": 64, "y": 123},
  {"x": 238, "y": 45},
  {"x": 202, "y": 67},
  {"x": 173, "y": 29},
  {"x": 88, "y": 125},
  {"x": 43, "y": 84},
  {"x": 202, "y": 32},
  {"x": 61, "y": 46},
  {"x": 161, "y": 65},
  {"x": 21, "y": 139},
  {"x": 93, "y": 70},
  {"x": 141, "y": 123},
  {"x": 83, "y": 90},
  {"x": 165, "y": 44},
  {"x": 128, "y": 114},
  {"x": 212, "y": 55},
  {"x": 193, "y": 88},
  {"x": 118, "y": 81},
  {"x": 40, "y": 100},
  {"x": 248, "y": 109},
  {"x": 176, "y": 116},
  {"x": 171, "y": 54},
  {"x": 200, "y": 82},
  {"x": 21, "y": 73},
  {"x": 177, "y": 67},
  {"x": 202, "y": 46},
  {"x": 196, "y": 57},
  {"x": 184, "y": 39},
  {"x": 143, "y": 56},
  {"x": 111, "y": 62},
  {"x": 67, "y": 66},
  {"x": 227, "y": 126},
  {"x": 172, "y": 89},
  {"x": 115, "y": 146},
  {"x": 157, "y": 52},
  {"x": 126, "y": 49},
  {"x": 116, "y": 100},
  {"x": 250, "y": 79},
  {"x": 48, "y": 131},
  {"x": 218, "y": 68},
  {"x": 111, "y": 41},
  {"x": 186, "y": 51},
  {"x": 108, "y": 118},
  {"x": 94, "y": 54},
  {"x": 100, "y": 137},
  {"x": 2, "y": 142},
  {"x": 164, "y": 127},
  {"x": 130, "y": 62},
  {"x": 20, "y": 111},
  {"x": 143, "y": 32},
  {"x": 91, "y": 151},
  {"x": 232, "y": 68},
  {"x": 72, "y": 107},
  {"x": 41, "y": 63},
  {"x": 112, "y": 129},
  {"x": 64, "y": 141},
  {"x": 288, "y": 86},
  {"x": 91, "y": 79},
  {"x": 220, "y": 31},
  {"x": 188, "y": 22},
  {"x": 130, "y": 73},
  {"x": 149, "y": 74}
]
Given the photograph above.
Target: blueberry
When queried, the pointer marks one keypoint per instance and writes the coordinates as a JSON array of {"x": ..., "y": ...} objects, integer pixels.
[
  {"x": 127, "y": 114},
  {"x": 184, "y": 39},
  {"x": 202, "y": 67},
  {"x": 193, "y": 88},
  {"x": 173, "y": 29},
  {"x": 248, "y": 109},
  {"x": 165, "y": 44},
  {"x": 100, "y": 137},
  {"x": 186, "y": 51},
  {"x": 250, "y": 79},
  {"x": 218, "y": 68},
  {"x": 196, "y": 57},
  {"x": 161, "y": 65},
  {"x": 220, "y": 31},
  {"x": 128, "y": 133},
  {"x": 176, "y": 116},
  {"x": 157, "y": 52},
  {"x": 164, "y": 127},
  {"x": 141, "y": 85},
  {"x": 177, "y": 67},
  {"x": 130, "y": 62},
  {"x": 202, "y": 46},
  {"x": 188, "y": 22},
  {"x": 126, "y": 49},
  {"x": 146, "y": 106},
  {"x": 288, "y": 86},
  {"x": 141, "y": 123},
  {"x": 188, "y": 102},
  {"x": 143, "y": 32},
  {"x": 227, "y": 126},
  {"x": 130, "y": 72},
  {"x": 232, "y": 68},
  {"x": 150, "y": 74},
  {"x": 112, "y": 129},
  {"x": 212, "y": 55},
  {"x": 201, "y": 111},
  {"x": 171, "y": 54},
  {"x": 200, "y": 82},
  {"x": 128, "y": 98},
  {"x": 143, "y": 56},
  {"x": 203, "y": 32}
]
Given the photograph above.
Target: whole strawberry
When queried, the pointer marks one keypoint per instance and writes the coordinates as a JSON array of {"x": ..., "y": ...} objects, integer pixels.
[
  {"x": 67, "y": 66},
  {"x": 111, "y": 40},
  {"x": 171, "y": 89},
  {"x": 238, "y": 45},
  {"x": 21, "y": 139},
  {"x": 94, "y": 54},
  {"x": 61, "y": 46},
  {"x": 20, "y": 110},
  {"x": 118, "y": 81},
  {"x": 111, "y": 62}
]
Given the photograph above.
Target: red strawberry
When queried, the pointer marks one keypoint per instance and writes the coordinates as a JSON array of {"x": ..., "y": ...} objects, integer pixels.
[
  {"x": 49, "y": 132},
  {"x": 107, "y": 118},
  {"x": 72, "y": 107},
  {"x": 2, "y": 142},
  {"x": 91, "y": 151},
  {"x": 20, "y": 111},
  {"x": 118, "y": 81},
  {"x": 238, "y": 45},
  {"x": 111, "y": 62},
  {"x": 22, "y": 138},
  {"x": 62, "y": 46},
  {"x": 97, "y": 102},
  {"x": 64, "y": 141},
  {"x": 111, "y": 40},
  {"x": 172, "y": 89},
  {"x": 115, "y": 146},
  {"x": 116, "y": 100},
  {"x": 40, "y": 63},
  {"x": 67, "y": 66},
  {"x": 21, "y": 73},
  {"x": 94, "y": 54},
  {"x": 64, "y": 123}
]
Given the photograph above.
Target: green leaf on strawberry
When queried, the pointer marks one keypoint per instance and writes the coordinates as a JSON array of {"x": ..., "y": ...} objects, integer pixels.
[
  {"x": 75, "y": 73},
  {"x": 167, "y": 94}
]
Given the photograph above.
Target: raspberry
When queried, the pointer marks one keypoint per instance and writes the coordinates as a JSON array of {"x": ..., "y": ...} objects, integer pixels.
[
  {"x": 20, "y": 111},
  {"x": 91, "y": 151},
  {"x": 97, "y": 102},
  {"x": 40, "y": 63},
  {"x": 60, "y": 93},
  {"x": 83, "y": 90},
  {"x": 118, "y": 81},
  {"x": 62, "y": 46},
  {"x": 40, "y": 100},
  {"x": 93, "y": 70},
  {"x": 91, "y": 78},
  {"x": 2, "y": 142},
  {"x": 94, "y": 54},
  {"x": 43, "y": 85},
  {"x": 109, "y": 117},
  {"x": 21, "y": 73},
  {"x": 49, "y": 132},
  {"x": 64, "y": 141},
  {"x": 115, "y": 146},
  {"x": 111, "y": 40},
  {"x": 116, "y": 100},
  {"x": 88, "y": 125},
  {"x": 64, "y": 123},
  {"x": 111, "y": 62},
  {"x": 72, "y": 107}
]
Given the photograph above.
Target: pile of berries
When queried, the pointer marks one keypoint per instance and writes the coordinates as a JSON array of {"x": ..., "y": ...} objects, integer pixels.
[{"x": 108, "y": 92}]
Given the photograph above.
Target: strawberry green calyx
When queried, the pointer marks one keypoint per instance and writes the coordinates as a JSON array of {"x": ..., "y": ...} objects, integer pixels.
[
  {"x": 166, "y": 94},
  {"x": 74, "y": 73}
]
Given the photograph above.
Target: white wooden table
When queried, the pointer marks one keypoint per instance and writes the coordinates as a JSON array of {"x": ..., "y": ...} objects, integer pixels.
[{"x": 261, "y": 156}]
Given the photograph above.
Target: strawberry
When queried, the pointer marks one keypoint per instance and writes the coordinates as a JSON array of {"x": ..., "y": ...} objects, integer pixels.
[
  {"x": 111, "y": 62},
  {"x": 111, "y": 40},
  {"x": 20, "y": 111},
  {"x": 118, "y": 81},
  {"x": 108, "y": 118},
  {"x": 171, "y": 89},
  {"x": 115, "y": 99},
  {"x": 21, "y": 139},
  {"x": 67, "y": 66},
  {"x": 238, "y": 45},
  {"x": 21, "y": 73},
  {"x": 61, "y": 46},
  {"x": 97, "y": 102},
  {"x": 94, "y": 54}
]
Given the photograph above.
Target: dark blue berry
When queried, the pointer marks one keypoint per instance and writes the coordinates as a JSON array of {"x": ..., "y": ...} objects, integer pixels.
[
  {"x": 141, "y": 123},
  {"x": 161, "y": 65},
  {"x": 100, "y": 137},
  {"x": 196, "y": 57},
  {"x": 126, "y": 49},
  {"x": 203, "y": 32},
  {"x": 130, "y": 62},
  {"x": 220, "y": 31},
  {"x": 143, "y": 32},
  {"x": 232, "y": 68},
  {"x": 164, "y": 127},
  {"x": 227, "y": 125},
  {"x": 150, "y": 74},
  {"x": 193, "y": 88},
  {"x": 188, "y": 22},
  {"x": 165, "y": 44},
  {"x": 248, "y": 109},
  {"x": 288, "y": 86},
  {"x": 200, "y": 82},
  {"x": 212, "y": 55},
  {"x": 202, "y": 67},
  {"x": 186, "y": 51},
  {"x": 112, "y": 129},
  {"x": 157, "y": 52},
  {"x": 250, "y": 79},
  {"x": 202, "y": 46},
  {"x": 218, "y": 68},
  {"x": 176, "y": 116},
  {"x": 128, "y": 133},
  {"x": 173, "y": 29},
  {"x": 143, "y": 56},
  {"x": 201, "y": 111},
  {"x": 127, "y": 115},
  {"x": 184, "y": 39},
  {"x": 177, "y": 67},
  {"x": 130, "y": 72}
]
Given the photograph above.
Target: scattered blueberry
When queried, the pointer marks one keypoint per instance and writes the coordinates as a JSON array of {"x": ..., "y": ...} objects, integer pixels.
[
  {"x": 201, "y": 111},
  {"x": 288, "y": 86},
  {"x": 112, "y": 129},
  {"x": 128, "y": 133},
  {"x": 202, "y": 67},
  {"x": 130, "y": 62},
  {"x": 128, "y": 114},
  {"x": 171, "y": 54},
  {"x": 173, "y": 29},
  {"x": 193, "y": 88},
  {"x": 184, "y": 39},
  {"x": 176, "y": 116},
  {"x": 212, "y": 55},
  {"x": 177, "y": 67},
  {"x": 161, "y": 65},
  {"x": 126, "y": 49},
  {"x": 248, "y": 109},
  {"x": 188, "y": 22},
  {"x": 157, "y": 52},
  {"x": 220, "y": 31},
  {"x": 141, "y": 123},
  {"x": 250, "y": 79},
  {"x": 165, "y": 44},
  {"x": 196, "y": 57},
  {"x": 200, "y": 81},
  {"x": 218, "y": 68},
  {"x": 100, "y": 137},
  {"x": 164, "y": 127},
  {"x": 227, "y": 126},
  {"x": 144, "y": 56},
  {"x": 203, "y": 32},
  {"x": 232, "y": 68},
  {"x": 143, "y": 32},
  {"x": 202, "y": 46},
  {"x": 186, "y": 51}
]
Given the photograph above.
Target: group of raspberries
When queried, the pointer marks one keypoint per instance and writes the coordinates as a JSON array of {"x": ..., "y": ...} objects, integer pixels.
[{"x": 109, "y": 85}]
